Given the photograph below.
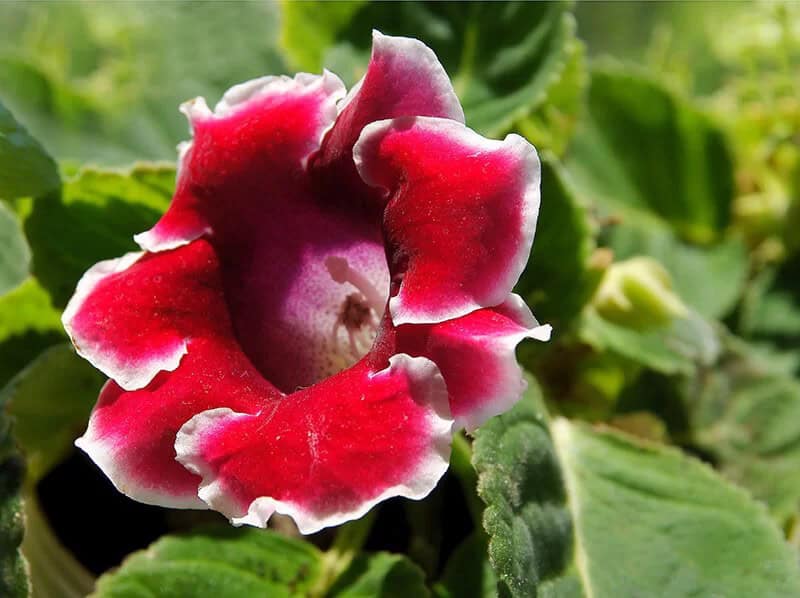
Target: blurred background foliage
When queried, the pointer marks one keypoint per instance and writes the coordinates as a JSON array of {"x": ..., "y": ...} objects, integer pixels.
[{"x": 667, "y": 259}]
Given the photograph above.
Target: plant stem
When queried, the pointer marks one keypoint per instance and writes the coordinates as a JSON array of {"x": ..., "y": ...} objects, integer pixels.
[{"x": 349, "y": 539}]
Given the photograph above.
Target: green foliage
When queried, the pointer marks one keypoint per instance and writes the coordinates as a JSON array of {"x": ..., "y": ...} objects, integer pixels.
[
  {"x": 468, "y": 573},
  {"x": 676, "y": 348},
  {"x": 101, "y": 83},
  {"x": 15, "y": 258},
  {"x": 527, "y": 517},
  {"x": 558, "y": 280},
  {"x": 93, "y": 219},
  {"x": 13, "y": 575},
  {"x": 26, "y": 170},
  {"x": 632, "y": 165},
  {"x": 648, "y": 157},
  {"x": 745, "y": 415},
  {"x": 28, "y": 324},
  {"x": 50, "y": 401},
  {"x": 382, "y": 575},
  {"x": 223, "y": 561},
  {"x": 578, "y": 511},
  {"x": 497, "y": 84}
]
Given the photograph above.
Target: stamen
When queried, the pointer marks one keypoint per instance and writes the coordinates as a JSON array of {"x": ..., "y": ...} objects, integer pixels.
[{"x": 341, "y": 272}]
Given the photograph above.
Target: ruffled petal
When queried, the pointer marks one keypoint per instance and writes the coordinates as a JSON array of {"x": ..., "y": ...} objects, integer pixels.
[
  {"x": 476, "y": 355},
  {"x": 326, "y": 454},
  {"x": 132, "y": 317},
  {"x": 131, "y": 435},
  {"x": 403, "y": 78},
  {"x": 461, "y": 213},
  {"x": 261, "y": 133}
]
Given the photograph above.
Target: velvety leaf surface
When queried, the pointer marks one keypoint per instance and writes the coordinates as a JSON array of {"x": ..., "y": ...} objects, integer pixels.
[
  {"x": 646, "y": 157},
  {"x": 502, "y": 58},
  {"x": 95, "y": 218},
  {"x": 527, "y": 517},
  {"x": 570, "y": 508},
  {"x": 13, "y": 574},
  {"x": 26, "y": 170},
  {"x": 557, "y": 281},
  {"x": 50, "y": 401}
]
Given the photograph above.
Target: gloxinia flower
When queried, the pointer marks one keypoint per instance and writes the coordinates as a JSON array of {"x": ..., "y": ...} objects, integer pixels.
[{"x": 327, "y": 298}]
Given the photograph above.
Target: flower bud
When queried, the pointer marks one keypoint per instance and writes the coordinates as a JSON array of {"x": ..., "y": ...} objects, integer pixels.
[{"x": 637, "y": 293}]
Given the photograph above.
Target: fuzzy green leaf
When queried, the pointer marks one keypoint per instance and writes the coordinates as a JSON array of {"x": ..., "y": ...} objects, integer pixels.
[{"x": 577, "y": 511}]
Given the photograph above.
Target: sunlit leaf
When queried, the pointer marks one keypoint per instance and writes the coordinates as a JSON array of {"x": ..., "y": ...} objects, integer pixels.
[
  {"x": 95, "y": 218},
  {"x": 578, "y": 511}
]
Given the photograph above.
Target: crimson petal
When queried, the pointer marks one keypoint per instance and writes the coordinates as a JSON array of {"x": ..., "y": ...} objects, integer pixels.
[
  {"x": 326, "y": 454},
  {"x": 404, "y": 78},
  {"x": 461, "y": 215},
  {"x": 476, "y": 355}
]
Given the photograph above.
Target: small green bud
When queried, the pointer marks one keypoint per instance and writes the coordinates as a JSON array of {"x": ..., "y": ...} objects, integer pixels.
[{"x": 637, "y": 293}]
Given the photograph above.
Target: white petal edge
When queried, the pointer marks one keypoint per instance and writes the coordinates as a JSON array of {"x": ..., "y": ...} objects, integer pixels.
[
  {"x": 130, "y": 374},
  {"x": 512, "y": 384},
  {"x": 236, "y": 98},
  {"x": 414, "y": 52},
  {"x": 425, "y": 378},
  {"x": 401, "y": 311},
  {"x": 104, "y": 456}
]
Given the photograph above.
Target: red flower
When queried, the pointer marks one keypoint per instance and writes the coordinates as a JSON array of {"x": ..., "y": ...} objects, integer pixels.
[{"x": 327, "y": 297}]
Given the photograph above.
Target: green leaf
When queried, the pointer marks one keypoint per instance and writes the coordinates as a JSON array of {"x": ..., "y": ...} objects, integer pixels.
[
  {"x": 221, "y": 562},
  {"x": 309, "y": 28},
  {"x": 94, "y": 219},
  {"x": 502, "y": 58},
  {"x": 13, "y": 574},
  {"x": 649, "y": 158},
  {"x": 14, "y": 581},
  {"x": 15, "y": 257},
  {"x": 101, "y": 83},
  {"x": 771, "y": 307},
  {"x": 234, "y": 562},
  {"x": 527, "y": 517},
  {"x": 26, "y": 170},
  {"x": 51, "y": 400},
  {"x": 553, "y": 123},
  {"x": 745, "y": 414},
  {"x": 468, "y": 573},
  {"x": 577, "y": 511},
  {"x": 677, "y": 348},
  {"x": 557, "y": 282},
  {"x": 381, "y": 575},
  {"x": 28, "y": 324}
]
